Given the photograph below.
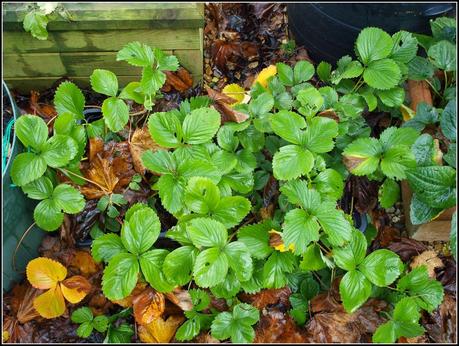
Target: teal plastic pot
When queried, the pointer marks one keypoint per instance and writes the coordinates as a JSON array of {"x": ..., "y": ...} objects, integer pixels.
[{"x": 17, "y": 214}]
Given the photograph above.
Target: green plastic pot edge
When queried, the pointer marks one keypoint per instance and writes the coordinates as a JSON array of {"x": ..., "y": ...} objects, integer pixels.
[{"x": 17, "y": 217}]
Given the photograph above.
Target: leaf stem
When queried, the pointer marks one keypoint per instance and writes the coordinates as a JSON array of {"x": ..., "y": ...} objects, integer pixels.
[
  {"x": 358, "y": 84},
  {"x": 19, "y": 243},
  {"x": 433, "y": 89},
  {"x": 446, "y": 79},
  {"x": 66, "y": 172}
]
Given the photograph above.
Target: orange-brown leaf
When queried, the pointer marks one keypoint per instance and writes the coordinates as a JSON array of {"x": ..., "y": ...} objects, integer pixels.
[
  {"x": 44, "y": 273},
  {"x": 159, "y": 330},
  {"x": 148, "y": 305},
  {"x": 26, "y": 312},
  {"x": 140, "y": 142},
  {"x": 181, "y": 298},
  {"x": 127, "y": 301},
  {"x": 84, "y": 262},
  {"x": 50, "y": 304},
  {"x": 75, "y": 288}
]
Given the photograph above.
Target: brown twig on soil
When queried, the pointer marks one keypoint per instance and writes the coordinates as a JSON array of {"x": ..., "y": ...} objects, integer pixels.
[{"x": 19, "y": 243}]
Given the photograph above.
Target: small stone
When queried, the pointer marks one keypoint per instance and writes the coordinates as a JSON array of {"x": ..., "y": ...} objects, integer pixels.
[
  {"x": 395, "y": 219},
  {"x": 390, "y": 210}
]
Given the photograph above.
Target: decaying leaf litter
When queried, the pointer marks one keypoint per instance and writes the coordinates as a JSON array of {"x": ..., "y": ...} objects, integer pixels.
[{"x": 240, "y": 40}]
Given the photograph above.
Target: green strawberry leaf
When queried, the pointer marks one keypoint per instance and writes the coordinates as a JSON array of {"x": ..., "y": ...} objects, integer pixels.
[
  {"x": 329, "y": 183},
  {"x": 324, "y": 71},
  {"x": 312, "y": 259},
  {"x": 31, "y": 131},
  {"x": 69, "y": 99},
  {"x": 48, "y": 215},
  {"x": 152, "y": 80},
  {"x": 68, "y": 199},
  {"x": 40, "y": 188},
  {"x": 83, "y": 314},
  {"x": 105, "y": 247},
  {"x": 35, "y": 22},
  {"x": 120, "y": 276},
  {"x": 334, "y": 224},
  {"x": 373, "y": 44},
  {"x": 210, "y": 268},
  {"x": 141, "y": 231},
  {"x": 421, "y": 212},
  {"x": 201, "y": 195},
  {"x": 160, "y": 161},
  {"x": 171, "y": 192},
  {"x": 353, "y": 253},
  {"x": 405, "y": 47},
  {"x": 389, "y": 193},
  {"x": 448, "y": 120},
  {"x": 443, "y": 55},
  {"x": 256, "y": 239},
  {"x": 420, "y": 68},
  {"x": 382, "y": 74},
  {"x": 84, "y": 330},
  {"x": 285, "y": 74},
  {"x": 151, "y": 263},
  {"x": 104, "y": 82},
  {"x": 239, "y": 260},
  {"x": 392, "y": 97},
  {"x": 165, "y": 129},
  {"x": 100, "y": 323},
  {"x": 362, "y": 156},
  {"x": 116, "y": 113},
  {"x": 397, "y": 161},
  {"x": 136, "y": 54},
  {"x": 319, "y": 134},
  {"x": 288, "y": 125},
  {"x": 178, "y": 265},
  {"x": 26, "y": 168},
  {"x": 303, "y": 71},
  {"x": 236, "y": 325},
  {"x": 201, "y": 125},
  {"x": 381, "y": 267},
  {"x": 292, "y": 161},
  {"x": 205, "y": 232},
  {"x": 299, "y": 229},
  {"x": 231, "y": 210},
  {"x": 354, "y": 289},
  {"x": 276, "y": 268}
]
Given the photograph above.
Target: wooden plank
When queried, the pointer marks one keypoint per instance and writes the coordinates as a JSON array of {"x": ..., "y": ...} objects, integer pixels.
[
  {"x": 100, "y": 41},
  {"x": 83, "y": 64},
  {"x": 104, "y": 16},
  {"x": 433, "y": 231},
  {"x": 25, "y": 85}
]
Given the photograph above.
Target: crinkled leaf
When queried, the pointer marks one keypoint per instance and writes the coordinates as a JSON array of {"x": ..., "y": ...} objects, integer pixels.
[
  {"x": 381, "y": 267},
  {"x": 382, "y": 74},
  {"x": 373, "y": 44},
  {"x": 106, "y": 246},
  {"x": 69, "y": 99},
  {"x": 31, "y": 131},
  {"x": 292, "y": 161}
]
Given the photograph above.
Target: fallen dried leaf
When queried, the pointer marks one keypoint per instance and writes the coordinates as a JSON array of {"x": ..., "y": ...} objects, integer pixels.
[
  {"x": 83, "y": 261},
  {"x": 278, "y": 327},
  {"x": 267, "y": 297},
  {"x": 140, "y": 142},
  {"x": 159, "y": 330},
  {"x": 127, "y": 301},
  {"x": 441, "y": 325},
  {"x": 430, "y": 260},
  {"x": 181, "y": 298},
  {"x": 148, "y": 305}
]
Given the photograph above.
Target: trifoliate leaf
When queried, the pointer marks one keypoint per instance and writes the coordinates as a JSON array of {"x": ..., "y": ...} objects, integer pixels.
[
  {"x": 201, "y": 125},
  {"x": 354, "y": 289},
  {"x": 116, "y": 113},
  {"x": 361, "y": 157},
  {"x": 236, "y": 325},
  {"x": 381, "y": 267},
  {"x": 373, "y": 44},
  {"x": 292, "y": 161},
  {"x": 311, "y": 101},
  {"x": 382, "y": 74},
  {"x": 427, "y": 292},
  {"x": 389, "y": 193}
]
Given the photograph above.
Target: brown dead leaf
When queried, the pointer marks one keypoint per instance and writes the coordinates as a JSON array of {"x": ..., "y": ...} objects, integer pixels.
[
  {"x": 329, "y": 113},
  {"x": 180, "y": 80},
  {"x": 276, "y": 326},
  {"x": 205, "y": 338},
  {"x": 441, "y": 325},
  {"x": 267, "y": 297},
  {"x": 222, "y": 104},
  {"x": 159, "y": 330},
  {"x": 181, "y": 298},
  {"x": 406, "y": 248},
  {"x": 45, "y": 111},
  {"x": 341, "y": 327},
  {"x": 83, "y": 261},
  {"x": 110, "y": 167},
  {"x": 329, "y": 301},
  {"x": 15, "y": 332},
  {"x": 141, "y": 141},
  {"x": 148, "y": 305},
  {"x": 430, "y": 260}
]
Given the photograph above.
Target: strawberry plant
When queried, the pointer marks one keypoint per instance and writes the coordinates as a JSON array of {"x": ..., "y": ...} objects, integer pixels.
[{"x": 254, "y": 201}]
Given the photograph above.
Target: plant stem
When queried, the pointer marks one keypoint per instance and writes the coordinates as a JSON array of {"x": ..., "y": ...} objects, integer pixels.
[
  {"x": 433, "y": 89},
  {"x": 446, "y": 79},
  {"x": 66, "y": 172},
  {"x": 54, "y": 117},
  {"x": 357, "y": 85},
  {"x": 19, "y": 243}
]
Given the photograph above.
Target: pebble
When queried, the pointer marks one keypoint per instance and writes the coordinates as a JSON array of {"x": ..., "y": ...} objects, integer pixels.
[
  {"x": 395, "y": 219},
  {"x": 390, "y": 210}
]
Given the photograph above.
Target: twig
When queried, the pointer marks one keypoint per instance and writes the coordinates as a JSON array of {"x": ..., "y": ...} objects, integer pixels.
[
  {"x": 49, "y": 122},
  {"x": 19, "y": 243}
]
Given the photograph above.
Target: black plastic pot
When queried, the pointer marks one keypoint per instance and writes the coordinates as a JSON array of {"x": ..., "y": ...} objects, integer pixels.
[{"x": 328, "y": 30}]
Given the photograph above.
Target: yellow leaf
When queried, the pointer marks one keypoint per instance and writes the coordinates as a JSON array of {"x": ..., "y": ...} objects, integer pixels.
[
  {"x": 265, "y": 74},
  {"x": 50, "y": 304},
  {"x": 275, "y": 241},
  {"x": 407, "y": 112},
  {"x": 148, "y": 306},
  {"x": 159, "y": 330},
  {"x": 75, "y": 288},
  {"x": 44, "y": 273},
  {"x": 5, "y": 336},
  {"x": 234, "y": 91}
]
